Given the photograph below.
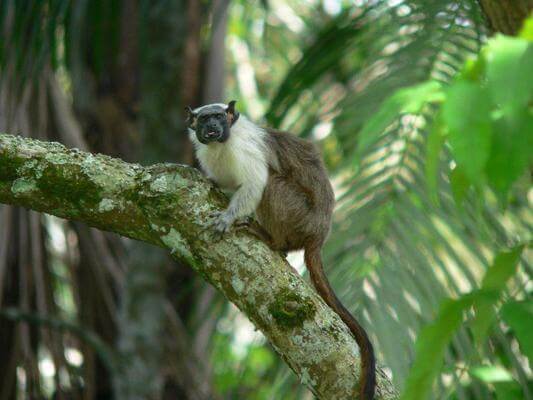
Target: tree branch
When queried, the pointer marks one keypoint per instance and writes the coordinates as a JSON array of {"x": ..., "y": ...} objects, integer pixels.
[{"x": 168, "y": 205}]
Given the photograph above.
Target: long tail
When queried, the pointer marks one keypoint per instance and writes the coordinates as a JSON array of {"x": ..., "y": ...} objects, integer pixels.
[{"x": 367, "y": 382}]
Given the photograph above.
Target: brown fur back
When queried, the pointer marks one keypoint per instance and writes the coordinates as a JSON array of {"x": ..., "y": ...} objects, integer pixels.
[{"x": 298, "y": 200}]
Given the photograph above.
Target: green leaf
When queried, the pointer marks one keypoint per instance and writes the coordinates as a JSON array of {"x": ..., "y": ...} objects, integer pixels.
[
  {"x": 491, "y": 374},
  {"x": 473, "y": 70},
  {"x": 527, "y": 30},
  {"x": 508, "y": 391},
  {"x": 509, "y": 66},
  {"x": 503, "y": 268},
  {"x": 431, "y": 345},
  {"x": 495, "y": 281},
  {"x": 511, "y": 149},
  {"x": 519, "y": 316},
  {"x": 406, "y": 100},
  {"x": 435, "y": 143},
  {"x": 460, "y": 185},
  {"x": 466, "y": 113}
]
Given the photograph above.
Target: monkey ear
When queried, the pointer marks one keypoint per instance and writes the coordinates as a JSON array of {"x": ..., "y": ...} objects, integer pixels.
[
  {"x": 231, "y": 106},
  {"x": 231, "y": 112},
  {"x": 191, "y": 117}
]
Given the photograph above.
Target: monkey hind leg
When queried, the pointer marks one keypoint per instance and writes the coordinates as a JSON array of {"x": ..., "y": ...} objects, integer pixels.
[
  {"x": 256, "y": 230},
  {"x": 261, "y": 233}
]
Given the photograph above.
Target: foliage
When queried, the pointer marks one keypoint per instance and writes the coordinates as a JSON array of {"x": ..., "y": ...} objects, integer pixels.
[
  {"x": 435, "y": 337},
  {"x": 486, "y": 117}
]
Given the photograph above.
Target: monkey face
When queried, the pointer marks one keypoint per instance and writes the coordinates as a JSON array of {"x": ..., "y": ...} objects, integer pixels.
[
  {"x": 212, "y": 126},
  {"x": 212, "y": 122}
]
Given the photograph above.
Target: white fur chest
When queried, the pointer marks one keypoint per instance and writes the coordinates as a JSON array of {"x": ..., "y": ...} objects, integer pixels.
[
  {"x": 241, "y": 160},
  {"x": 222, "y": 164}
]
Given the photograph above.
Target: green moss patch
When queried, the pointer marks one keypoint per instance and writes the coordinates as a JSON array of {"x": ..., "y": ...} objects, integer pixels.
[
  {"x": 9, "y": 166},
  {"x": 290, "y": 310},
  {"x": 70, "y": 185}
]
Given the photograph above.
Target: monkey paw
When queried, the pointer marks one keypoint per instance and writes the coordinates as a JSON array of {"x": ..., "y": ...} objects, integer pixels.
[
  {"x": 243, "y": 222},
  {"x": 221, "y": 222}
]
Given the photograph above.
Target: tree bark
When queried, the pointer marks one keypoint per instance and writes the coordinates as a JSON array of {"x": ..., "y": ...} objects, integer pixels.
[
  {"x": 168, "y": 206},
  {"x": 506, "y": 16}
]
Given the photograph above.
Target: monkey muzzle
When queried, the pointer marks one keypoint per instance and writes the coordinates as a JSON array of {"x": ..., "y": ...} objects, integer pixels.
[{"x": 211, "y": 134}]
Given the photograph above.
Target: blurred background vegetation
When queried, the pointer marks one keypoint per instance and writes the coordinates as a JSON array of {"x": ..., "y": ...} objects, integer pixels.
[{"x": 429, "y": 153}]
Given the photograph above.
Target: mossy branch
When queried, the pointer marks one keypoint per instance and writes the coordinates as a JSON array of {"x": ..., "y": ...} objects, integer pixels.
[{"x": 168, "y": 205}]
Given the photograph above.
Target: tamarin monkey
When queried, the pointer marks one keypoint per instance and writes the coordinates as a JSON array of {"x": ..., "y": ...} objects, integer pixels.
[{"x": 282, "y": 179}]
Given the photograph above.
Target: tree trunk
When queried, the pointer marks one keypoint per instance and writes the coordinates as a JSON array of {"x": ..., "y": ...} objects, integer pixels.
[
  {"x": 506, "y": 16},
  {"x": 168, "y": 206}
]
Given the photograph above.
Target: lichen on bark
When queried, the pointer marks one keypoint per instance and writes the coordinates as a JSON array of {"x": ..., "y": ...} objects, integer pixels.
[{"x": 168, "y": 205}]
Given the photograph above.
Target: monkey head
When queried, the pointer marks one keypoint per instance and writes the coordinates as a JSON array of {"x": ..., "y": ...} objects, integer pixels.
[{"x": 212, "y": 122}]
